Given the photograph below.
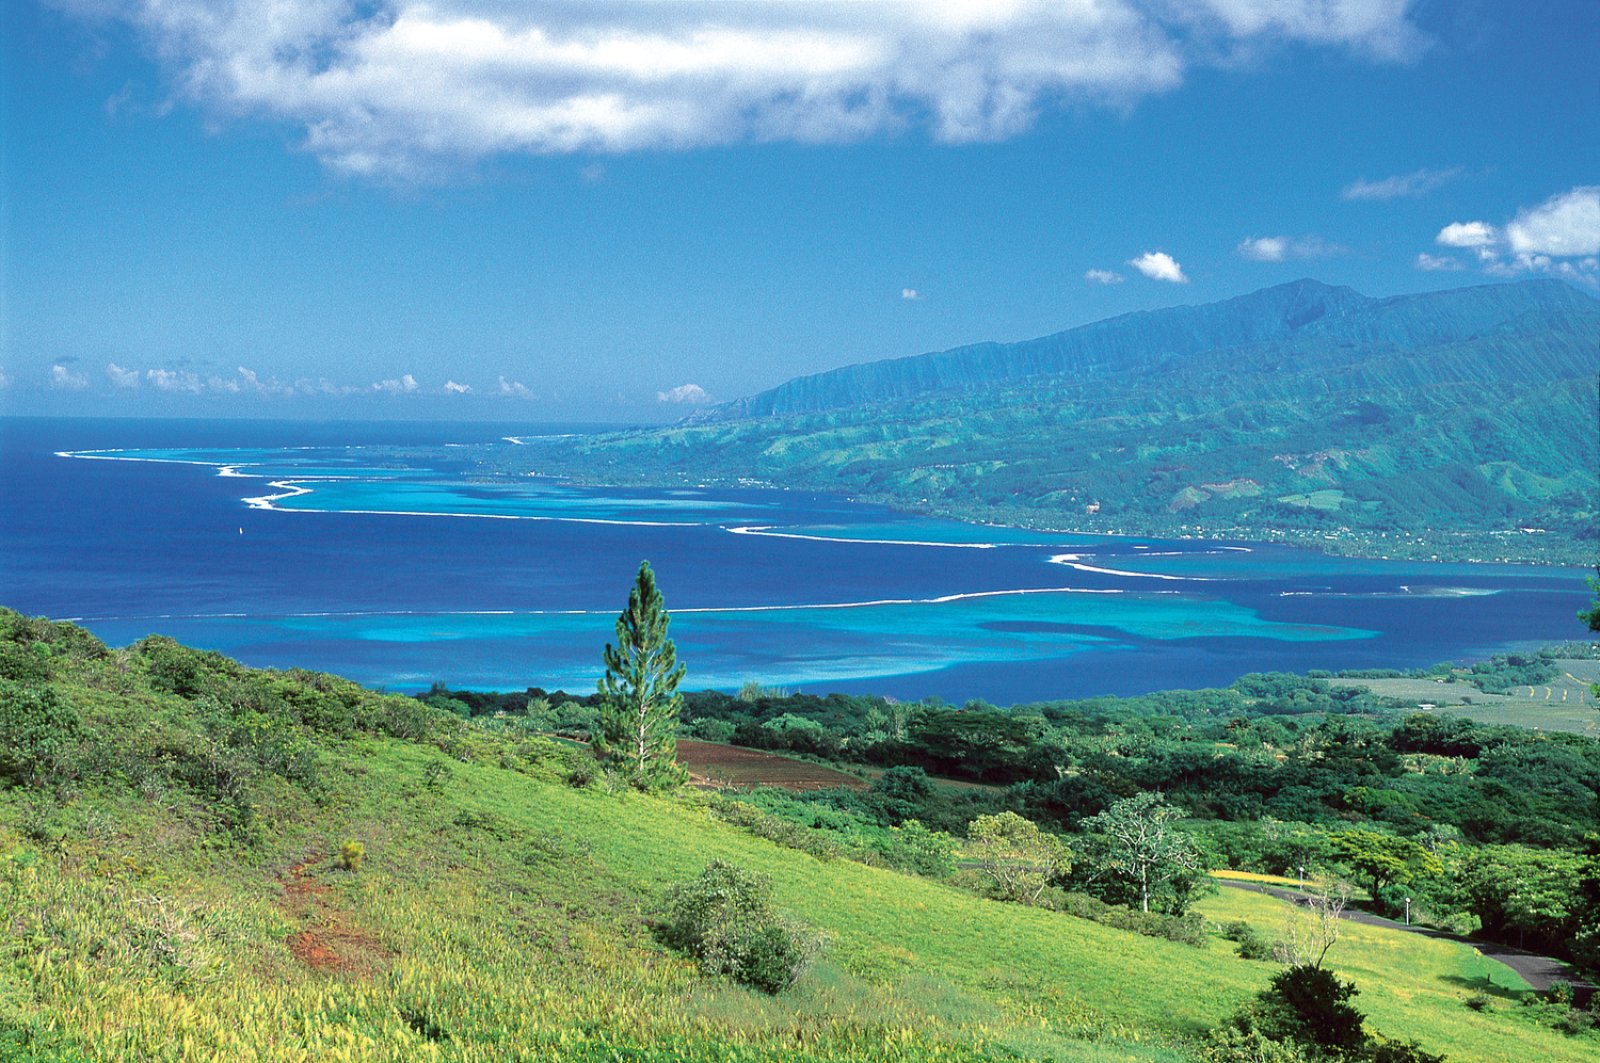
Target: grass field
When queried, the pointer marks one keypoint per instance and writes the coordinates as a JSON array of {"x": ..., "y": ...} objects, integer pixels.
[
  {"x": 1413, "y": 986},
  {"x": 1567, "y": 704},
  {"x": 715, "y": 764}
]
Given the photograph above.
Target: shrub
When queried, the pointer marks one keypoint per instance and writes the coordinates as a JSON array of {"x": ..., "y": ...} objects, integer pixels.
[
  {"x": 351, "y": 854},
  {"x": 1478, "y": 1001},
  {"x": 1232, "y": 1045},
  {"x": 1307, "y": 1005},
  {"x": 39, "y": 734},
  {"x": 1253, "y": 944},
  {"x": 582, "y": 772},
  {"x": 1401, "y": 1052},
  {"x": 435, "y": 774},
  {"x": 724, "y": 918}
]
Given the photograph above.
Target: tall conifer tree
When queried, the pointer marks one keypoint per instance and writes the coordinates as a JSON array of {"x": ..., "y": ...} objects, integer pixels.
[{"x": 638, "y": 725}]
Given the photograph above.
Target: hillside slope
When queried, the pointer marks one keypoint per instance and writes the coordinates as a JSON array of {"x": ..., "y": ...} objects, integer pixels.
[
  {"x": 1458, "y": 424},
  {"x": 171, "y": 824}
]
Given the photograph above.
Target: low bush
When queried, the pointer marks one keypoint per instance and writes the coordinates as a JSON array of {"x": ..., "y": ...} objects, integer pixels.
[
  {"x": 39, "y": 734},
  {"x": 724, "y": 918},
  {"x": 351, "y": 854},
  {"x": 764, "y": 824}
]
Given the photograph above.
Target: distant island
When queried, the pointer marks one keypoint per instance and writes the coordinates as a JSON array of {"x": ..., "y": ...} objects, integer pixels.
[{"x": 1459, "y": 425}]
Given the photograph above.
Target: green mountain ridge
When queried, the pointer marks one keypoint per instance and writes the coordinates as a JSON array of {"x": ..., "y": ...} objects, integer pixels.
[{"x": 1459, "y": 424}]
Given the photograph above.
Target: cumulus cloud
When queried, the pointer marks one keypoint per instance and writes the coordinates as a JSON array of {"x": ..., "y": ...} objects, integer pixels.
[
  {"x": 452, "y": 388},
  {"x": 1159, "y": 266},
  {"x": 514, "y": 389},
  {"x": 1564, "y": 225},
  {"x": 64, "y": 379},
  {"x": 1401, "y": 186},
  {"x": 910, "y": 294},
  {"x": 405, "y": 385},
  {"x": 693, "y": 394},
  {"x": 396, "y": 88},
  {"x": 123, "y": 379},
  {"x": 1102, "y": 276},
  {"x": 180, "y": 381},
  {"x": 1560, "y": 236},
  {"x": 1467, "y": 234},
  {"x": 1438, "y": 263}
]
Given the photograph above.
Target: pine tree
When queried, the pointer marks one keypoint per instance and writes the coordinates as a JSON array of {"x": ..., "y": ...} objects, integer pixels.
[{"x": 638, "y": 725}]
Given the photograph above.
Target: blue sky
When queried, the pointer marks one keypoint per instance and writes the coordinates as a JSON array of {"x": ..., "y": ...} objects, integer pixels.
[{"x": 612, "y": 211}]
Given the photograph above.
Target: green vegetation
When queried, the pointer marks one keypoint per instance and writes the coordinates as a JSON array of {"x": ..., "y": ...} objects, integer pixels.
[
  {"x": 724, "y": 918},
  {"x": 639, "y": 701},
  {"x": 223, "y": 862},
  {"x": 1421, "y": 426}
]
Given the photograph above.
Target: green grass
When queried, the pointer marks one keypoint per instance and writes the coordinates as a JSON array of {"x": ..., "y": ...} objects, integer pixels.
[
  {"x": 1415, "y": 987},
  {"x": 500, "y": 913}
]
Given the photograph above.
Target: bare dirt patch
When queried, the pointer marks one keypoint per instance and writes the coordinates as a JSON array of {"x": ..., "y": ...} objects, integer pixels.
[
  {"x": 328, "y": 942},
  {"x": 712, "y": 764}
]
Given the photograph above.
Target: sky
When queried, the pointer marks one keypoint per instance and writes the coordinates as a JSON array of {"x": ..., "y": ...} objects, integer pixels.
[{"x": 617, "y": 211}]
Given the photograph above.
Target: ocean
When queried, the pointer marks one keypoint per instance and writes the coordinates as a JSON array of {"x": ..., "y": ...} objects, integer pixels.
[{"x": 397, "y": 555}]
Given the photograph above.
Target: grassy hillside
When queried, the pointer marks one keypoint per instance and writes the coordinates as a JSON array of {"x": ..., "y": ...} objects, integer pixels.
[
  {"x": 1440, "y": 424},
  {"x": 171, "y": 830}
]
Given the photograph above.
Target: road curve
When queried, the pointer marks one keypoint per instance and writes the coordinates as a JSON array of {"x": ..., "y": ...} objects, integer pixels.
[{"x": 1540, "y": 972}]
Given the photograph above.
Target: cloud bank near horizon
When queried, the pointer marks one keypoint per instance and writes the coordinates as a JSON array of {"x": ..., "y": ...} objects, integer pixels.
[{"x": 400, "y": 89}]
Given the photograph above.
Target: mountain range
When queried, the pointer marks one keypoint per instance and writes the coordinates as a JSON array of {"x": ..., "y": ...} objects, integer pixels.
[{"x": 1458, "y": 423}]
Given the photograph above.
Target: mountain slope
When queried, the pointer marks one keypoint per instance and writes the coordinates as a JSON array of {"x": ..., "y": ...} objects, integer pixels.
[
  {"x": 173, "y": 890},
  {"x": 1436, "y": 424}
]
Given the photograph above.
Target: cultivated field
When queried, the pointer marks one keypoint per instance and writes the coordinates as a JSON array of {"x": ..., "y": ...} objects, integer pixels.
[
  {"x": 714, "y": 764},
  {"x": 1567, "y": 704}
]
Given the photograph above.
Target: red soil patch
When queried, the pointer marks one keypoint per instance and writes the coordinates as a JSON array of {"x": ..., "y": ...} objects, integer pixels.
[
  {"x": 329, "y": 943},
  {"x": 711, "y": 764}
]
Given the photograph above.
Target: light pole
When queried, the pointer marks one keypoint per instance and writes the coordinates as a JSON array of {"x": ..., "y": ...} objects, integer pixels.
[{"x": 1408, "y": 911}]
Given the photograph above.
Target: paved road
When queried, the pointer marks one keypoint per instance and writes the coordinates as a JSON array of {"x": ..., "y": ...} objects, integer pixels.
[{"x": 1541, "y": 972}]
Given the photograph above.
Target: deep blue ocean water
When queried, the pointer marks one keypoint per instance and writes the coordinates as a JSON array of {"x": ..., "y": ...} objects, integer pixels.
[{"x": 403, "y": 573}]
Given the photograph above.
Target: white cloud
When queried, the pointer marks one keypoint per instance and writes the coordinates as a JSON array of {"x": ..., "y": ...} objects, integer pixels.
[
  {"x": 1560, "y": 236},
  {"x": 403, "y": 386},
  {"x": 1264, "y": 248},
  {"x": 1467, "y": 234},
  {"x": 1279, "y": 248},
  {"x": 1377, "y": 27},
  {"x": 1416, "y": 183},
  {"x": 514, "y": 389},
  {"x": 693, "y": 394},
  {"x": 124, "y": 379},
  {"x": 250, "y": 380},
  {"x": 1102, "y": 276},
  {"x": 1159, "y": 266},
  {"x": 64, "y": 379},
  {"x": 1564, "y": 225},
  {"x": 452, "y": 388},
  {"x": 180, "y": 381},
  {"x": 322, "y": 386},
  {"x": 399, "y": 88},
  {"x": 1438, "y": 263},
  {"x": 910, "y": 294}
]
